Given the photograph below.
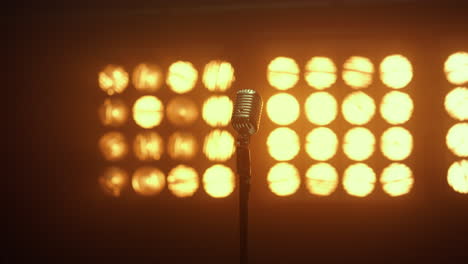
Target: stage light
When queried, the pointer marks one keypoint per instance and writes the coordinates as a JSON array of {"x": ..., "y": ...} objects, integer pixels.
[
  {"x": 283, "y": 109},
  {"x": 359, "y": 180},
  {"x": 147, "y": 77},
  {"x": 182, "y": 146},
  {"x": 181, "y": 77},
  {"x": 396, "y": 143},
  {"x": 148, "y": 111},
  {"x": 283, "y": 179},
  {"x": 148, "y": 146},
  {"x": 397, "y": 179},
  {"x": 456, "y": 68},
  {"x": 113, "y": 112},
  {"x": 321, "y": 108},
  {"x": 457, "y": 139},
  {"x": 219, "y": 145},
  {"x": 283, "y": 144},
  {"x": 219, "y": 181},
  {"x": 396, "y": 71},
  {"x": 217, "y": 110},
  {"x": 182, "y": 181},
  {"x": 457, "y": 176},
  {"x": 321, "y": 179},
  {"x": 359, "y": 143},
  {"x": 283, "y": 73},
  {"x": 218, "y": 76},
  {"x": 358, "y": 108},
  {"x": 148, "y": 181},
  {"x": 320, "y": 72},
  {"x": 396, "y": 107},
  {"x": 113, "y": 181},
  {"x": 456, "y": 103},
  {"x": 113, "y": 79},
  {"x": 182, "y": 111},
  {"x": 113, "y": 146},
  {"x": 357, "y": 72},
  {"x": 321, "y": 143}
]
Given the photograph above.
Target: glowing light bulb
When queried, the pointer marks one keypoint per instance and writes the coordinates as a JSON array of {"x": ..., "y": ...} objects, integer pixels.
[
  {"x": 182, "y": 111},
  {"x": 219, "y": 181},
  {"x": 181, "y": 77},
  {"x": 219, "y": 145},
  {"x": 183, "y": 181},
  {"x": 148, "y": 146},
  {"x": 321, "y": 108},
  {"x": 113, "y": 146},
  {"x": 457, "y": 176},
  {"x": 359, "y": 180},
  {"x": 217, "y": 110},
  {"x": 321, "y": 179},
  {"x": 218, "y": 76},
  {"x": 113, "y": 79},
  {"x": 321, "y": 143},
  {"x": 113, "y": 181},
  {"x": 283, "y": 179},
  {"x": 396, "y": 71},
  {"x": 456, "y": 68},
  {"x": 396, "y": 143},
  {"x": 320, "y": 73},
  {"x": 396, "y": 107},
  {"x": 358, "y": 108},
  {"x": 397, "y": 179},
  {"x": 148, "y": 181},
  {"x": 456, "y": 103},
  {"x": 359, "y": 143},
  {"x": 147, "y": 77},
  {"x": 148, "y": 111},
  {"x": 357, "y": 72},
  {"x": 283, "y": 73},
  {"x": 182, "y": 146},
  {"x": 283, "y": 109},
  {"x": 113, "y": 112},
  {"x": 283, "y": 144},
  {"x": 457, "y": 139}
]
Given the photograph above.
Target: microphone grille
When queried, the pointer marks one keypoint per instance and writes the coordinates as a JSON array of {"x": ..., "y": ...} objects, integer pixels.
[{"x": 247, "y": 112}]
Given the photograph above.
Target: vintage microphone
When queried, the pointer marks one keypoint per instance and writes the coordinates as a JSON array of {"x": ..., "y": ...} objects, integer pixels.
[{"x": 246, "y": 121}]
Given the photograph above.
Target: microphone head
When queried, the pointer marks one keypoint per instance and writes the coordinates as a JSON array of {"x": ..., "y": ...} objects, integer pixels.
[{"x": 247, "y": 112}]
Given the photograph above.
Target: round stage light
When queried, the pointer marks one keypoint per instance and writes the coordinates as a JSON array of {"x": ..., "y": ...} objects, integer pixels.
[
  {"x": 217, "y": 110},
  {"x": 182, "y": 111},
  {"x": 358, "y": 108},
  {"x": 457, "y": 176},
  {"x": 182, "y": 181},
  {"x": 396, "y": 107},
  {"x": 457, "y": 139},
  {"x": 113, "y": 112},
  {"x": 113, "y": 181},
  {"x": 359, "y": 143},
  {"x": 321, "y": 143},
  {"x": 456, "y": 68},
  {"x": 320, "y": 72},
  {"x": 283, "y": 109},
  {"x": 397, "y": 179},
  {"x": 396, "y": 71},
  {"x": 148, "y": 111},
  {"x": 113, "y": 146},
  {"x": 147, "y": 77},
  {"x": 148, "y": 146},
  {"x": 321, "y": 179},
  {"x": 283, "y": 144},
  {"x": 396, "y": 143},
  {"x": 283, "y": 73},
  {"x": 113, "y": 79},
  {"x": 359, "y": 180},
  {"x": 219, "y": 145},
  {"x": 218, "y": 76},
  {"x": 148, "y": 181},
  {"x": 357, "y": 72},
  {"x": 181, "y": 77},
  {"x": 283, "y": 179},
  {"x": 456, "y": 103},
  {"x": 219, "y": 181},
  {"x": 182, "y": 146},
  {"x": 321, "y": 108}
]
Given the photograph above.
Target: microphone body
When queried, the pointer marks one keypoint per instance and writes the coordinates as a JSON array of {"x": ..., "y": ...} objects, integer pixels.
[{"x": 247, "y": 112}]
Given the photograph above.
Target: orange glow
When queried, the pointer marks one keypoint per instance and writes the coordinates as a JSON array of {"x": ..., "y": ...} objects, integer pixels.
[
  {"x": 182, "y": 146},
  {"x": 321, "y": 108},
  {"x": 358, "y": 72},
  {"x": 148, "y": 181},
  {"x": 147, "y": 77},
  {"x": 359, "y": 180},
  {"x": 283, "y": 73},
  {"x": 321, "y": 143},
  {"x": 182, "y": 111},
  {"x": 457, "y": 139},
  {"x": 320, "y": 72},
  {"x": 396, "y": 143},
  {"x": 183, "y": 181},
  {"x": 456, "y": 68},
  {"x": 113, "y": 112},
  {"x": 359, "y": 143},
  {"x": 217, "y": 110},
  {"x": 396, "y": 71},
  {"x": 396, "y": 107},
  {"x": 456, "y": 103},
  {"x": 148, "y": 111},
  {"x": 321, "y": 179},
  {"x": 358, "y": 108},
  {"x": 219, "y": 181},
  {"x": 113, "y": 79},
  {"x": 397, "y": 179},
  {"x": 148, "y": 146},
  {"x": 283, "y": 109},
  {"x": 219, "y": 145},
  {"x": 283, "y": 179},
  {"x": 218, "y": 76},
  {"x": 457, "y": 176},
  {"x": 283, "y": 144},
  {"x": 113, "y": 181},
  {"x": 181, "y": 77},
  {"x": 113, "y": 146}
]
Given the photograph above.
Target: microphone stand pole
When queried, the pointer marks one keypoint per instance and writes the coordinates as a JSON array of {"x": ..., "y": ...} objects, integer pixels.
[{"x": 243, "y": 170}]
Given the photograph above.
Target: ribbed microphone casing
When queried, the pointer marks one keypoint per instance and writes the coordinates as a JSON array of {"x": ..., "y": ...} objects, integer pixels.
[{"x": 247, "y": 112}]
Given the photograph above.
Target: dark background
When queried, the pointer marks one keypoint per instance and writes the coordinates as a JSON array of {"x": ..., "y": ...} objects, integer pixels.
[{"x": 57, "y": 211}]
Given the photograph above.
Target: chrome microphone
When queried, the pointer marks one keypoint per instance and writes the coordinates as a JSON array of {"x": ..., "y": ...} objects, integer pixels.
[{"x": 247, "y": 112}]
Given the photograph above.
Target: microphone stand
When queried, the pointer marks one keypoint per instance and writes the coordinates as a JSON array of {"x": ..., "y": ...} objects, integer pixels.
[{"x": 243, "y": 170}]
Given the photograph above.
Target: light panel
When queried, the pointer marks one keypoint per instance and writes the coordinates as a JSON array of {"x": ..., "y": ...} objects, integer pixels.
[
  {"x": 283, "y": 73},
  {"x": 283, "y": 179},
  {"x": 182, "y": 181},
  {"x": 320, "y": 73},
  {"x": 321, "y": 179},
  {"x": 148, "y": 111}
]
